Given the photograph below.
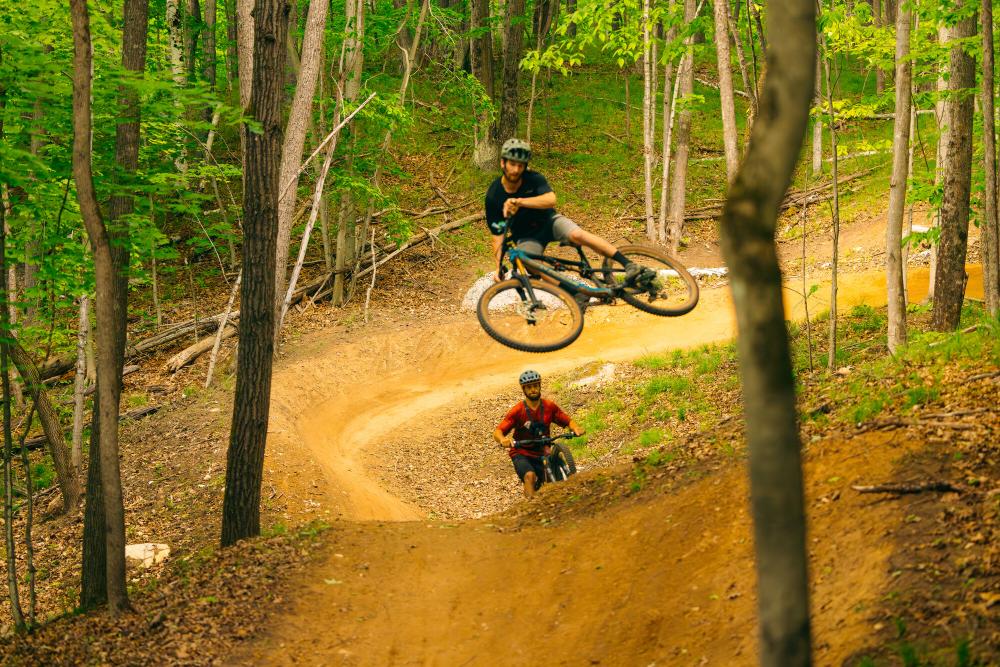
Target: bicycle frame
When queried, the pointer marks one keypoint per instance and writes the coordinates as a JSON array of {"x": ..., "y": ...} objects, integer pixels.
[{"x": 524, "y": 264}]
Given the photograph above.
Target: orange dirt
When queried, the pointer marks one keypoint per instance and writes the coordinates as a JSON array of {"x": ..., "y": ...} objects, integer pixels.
[{"x": 661, "y": 578}]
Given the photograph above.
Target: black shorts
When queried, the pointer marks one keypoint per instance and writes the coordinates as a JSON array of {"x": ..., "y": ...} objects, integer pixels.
[
  {"x": 557, "y": 229},
  {"x": 525, "y": 464}
]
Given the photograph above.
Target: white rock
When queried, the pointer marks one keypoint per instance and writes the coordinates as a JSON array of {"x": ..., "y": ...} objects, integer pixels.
[
  {"x": 605, "y": 374},
  {"x": 148, "y": 554},
  {"x": 471, "y": 298}
]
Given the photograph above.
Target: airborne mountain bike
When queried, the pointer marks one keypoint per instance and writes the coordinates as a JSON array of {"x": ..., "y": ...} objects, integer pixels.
[{"x": 539, "y": 308}]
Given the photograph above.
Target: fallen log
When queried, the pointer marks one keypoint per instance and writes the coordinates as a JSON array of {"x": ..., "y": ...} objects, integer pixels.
[
  {"x": 190, "y": 353},
  {"x": 919, "y": 487}
]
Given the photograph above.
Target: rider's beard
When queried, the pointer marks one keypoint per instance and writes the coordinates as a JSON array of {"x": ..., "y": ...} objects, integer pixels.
[{"x": 533, "y": 394}]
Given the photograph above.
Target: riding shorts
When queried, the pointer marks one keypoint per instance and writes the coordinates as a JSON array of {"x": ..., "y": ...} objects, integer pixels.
[
  {"x": 525, "y": 464},
  {"x": 557, "y": 230}
]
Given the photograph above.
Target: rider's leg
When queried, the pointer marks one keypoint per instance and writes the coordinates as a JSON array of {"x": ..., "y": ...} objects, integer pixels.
[
  {"x": 564, "y": 228},
  {"x": 530, "y": 480}
]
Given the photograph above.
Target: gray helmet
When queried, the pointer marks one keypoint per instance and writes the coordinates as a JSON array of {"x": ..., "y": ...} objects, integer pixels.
[
  {"x": 527, "y": 377},
  {"x": 516, "y": 149}
]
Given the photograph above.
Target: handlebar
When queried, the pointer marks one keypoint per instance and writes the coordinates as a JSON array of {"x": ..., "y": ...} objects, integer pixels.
[{"x": 545, "y": 441}]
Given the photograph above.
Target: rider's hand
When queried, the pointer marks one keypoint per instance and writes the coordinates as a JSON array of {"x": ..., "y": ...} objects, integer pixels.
[
  {"x": 511, "y": 206},
  {"x": 580, "y": 431},
  {"x": 508, "y": 442}
]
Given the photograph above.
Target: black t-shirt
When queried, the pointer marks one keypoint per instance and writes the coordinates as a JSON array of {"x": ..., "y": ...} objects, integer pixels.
[{"x": 527, "y": 221}]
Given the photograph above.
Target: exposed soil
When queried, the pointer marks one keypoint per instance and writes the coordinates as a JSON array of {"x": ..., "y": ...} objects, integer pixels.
[{"x": 382, "y": 429}]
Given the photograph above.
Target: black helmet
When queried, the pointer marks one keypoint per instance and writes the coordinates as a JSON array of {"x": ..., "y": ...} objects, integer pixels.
[
  {"x": 516, "y": 149},
  {"x": 527, "y": 377}
]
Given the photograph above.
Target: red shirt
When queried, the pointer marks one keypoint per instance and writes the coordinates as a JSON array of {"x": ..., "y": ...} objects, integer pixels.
[{"x": 519, "y": 416}]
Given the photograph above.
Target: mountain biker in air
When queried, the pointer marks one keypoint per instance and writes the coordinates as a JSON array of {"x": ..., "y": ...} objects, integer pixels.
[
  {"x": 531, "y": 419},
  {"x": 524, "y": 197}
]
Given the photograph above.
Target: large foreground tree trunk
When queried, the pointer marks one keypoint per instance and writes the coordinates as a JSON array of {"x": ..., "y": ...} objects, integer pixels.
[
  {"x": 991, "y": 233},
  {"x": 747, "y": 232},
  {"x": 110, "y": 315},
  {"x": 247, "y": 436},
  {"x": 949, "y": 280},
  {"x": 894, "y": 267}
]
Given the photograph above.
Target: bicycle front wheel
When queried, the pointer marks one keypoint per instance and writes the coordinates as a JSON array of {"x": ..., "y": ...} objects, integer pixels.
[
  {"x": 665, "y": 288},
  {"x": 549, "y": 321},
  {"x": 562, "y": 463}
]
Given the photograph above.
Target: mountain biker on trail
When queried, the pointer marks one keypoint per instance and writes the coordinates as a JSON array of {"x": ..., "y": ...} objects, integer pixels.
[
  {"x": 524, "y": 197},
  {"x": 531, "y": 419}
]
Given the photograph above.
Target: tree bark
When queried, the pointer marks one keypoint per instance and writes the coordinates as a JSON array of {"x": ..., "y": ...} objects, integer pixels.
[
  {"x": 108, "y": 282},
  {"x": 878, "y": 23},
  {"x": 208, "y": 50},
  {"x": 949, "y": 282},
  {"x": 69, "y": 483},
  {"x": 79, "y": 385},
  {"x": 295, "y": 137},
  {"x": 817, "y": 138},
  {"x": 245, "y": 48},
  {"x": 726, "y": 100},
  {"x": 944, "y": 128},
  {"x": 175, "y": 36},
  {"x": 747, "y": 234},
  {"x": 245, "y": 458},
  {"x": 485, "y": 149},
  {"x": 192, "y": 30},
  {"x": 354, "y": 54},
  {"x": 675, "y": 225},
  {"x": 232, "y": 59},
  {"x": 514, "y": 31},
  {"x": 10, "y": 557},
  {"x": 990, "y": 234},
  {"x": 897, "y": 187},
  {"x": 648, "y": 73},
  {"x": 835, "y": 251}
]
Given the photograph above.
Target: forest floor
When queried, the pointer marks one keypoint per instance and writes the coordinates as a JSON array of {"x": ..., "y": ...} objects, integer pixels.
[{"x": 395, "y": 528}]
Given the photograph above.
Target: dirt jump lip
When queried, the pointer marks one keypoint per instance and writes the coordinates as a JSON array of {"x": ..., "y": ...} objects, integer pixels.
[{"x": 409, "y": 374}]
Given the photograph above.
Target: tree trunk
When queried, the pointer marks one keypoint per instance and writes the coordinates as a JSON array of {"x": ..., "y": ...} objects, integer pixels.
[
  {"x": 817, "y": 138},
  {"x": 13, "y": 594},
  {"x": 990, "y": 234},
  {"x": 894, "y": 267},
  {"x": 835, "y": 251},
  {"x": 761, "y": 35},
  {"x": 944, "y": 128},
  {"x": 648, "y": 98},
  {"x": 295, "y": 137},
  {"x": 949, "y": 282},
  {"x": 175, "y": 36},
  {"x": 208, "y": 52},
  {"x": 192, "y": 30},
  {"x": 877, "y": 22},
  {"x": 514, "y": 31},
  {"x": 354, "y": 54},
  {"x": 570, "y": 8},
  {"x": 245, "y": 48},
  {"x": 727, "y": 103},
  {"x": 69, "y": 483},
  {"x": 675, "y": 225},
  {"x": 485, "y": 150},
  {"x": 245, "y": 458},
  {"x": 747, "y": 232},
  {"x": 232, "y": 59},
  {"x": 110, "y": 278},
  {"x": 749, "y": 85},
  {"x": 79, "y": 385}
]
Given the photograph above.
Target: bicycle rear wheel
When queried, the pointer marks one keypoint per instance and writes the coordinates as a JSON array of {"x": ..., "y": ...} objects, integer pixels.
[
  {"x": 668, "y": 288},
  {"x": 550, "y": 321},
  {"x": 561, "y": 462}
]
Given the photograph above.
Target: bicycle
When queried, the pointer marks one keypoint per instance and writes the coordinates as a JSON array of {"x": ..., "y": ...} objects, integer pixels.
[
  {"x": 558, "y": 464},
  {"x": 532, "y": 315}
]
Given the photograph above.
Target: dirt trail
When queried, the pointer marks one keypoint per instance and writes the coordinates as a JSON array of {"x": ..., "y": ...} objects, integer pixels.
[
  {"x": 587, "y": 587},
  {"x": 336, "y": 403}
]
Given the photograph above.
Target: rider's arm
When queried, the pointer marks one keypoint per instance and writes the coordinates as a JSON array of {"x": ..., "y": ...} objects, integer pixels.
[
  {"x": 546, "y": 200},
  {"x": 503, "y": 440},
  {"x": 497, "y": 248}
]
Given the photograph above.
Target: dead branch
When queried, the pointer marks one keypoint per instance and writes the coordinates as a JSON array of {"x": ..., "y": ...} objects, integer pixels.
[
  {"x": 918, "y": 487},
  {"x": 40, "y": 441},
  {"x": 189, "y": 354}
]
